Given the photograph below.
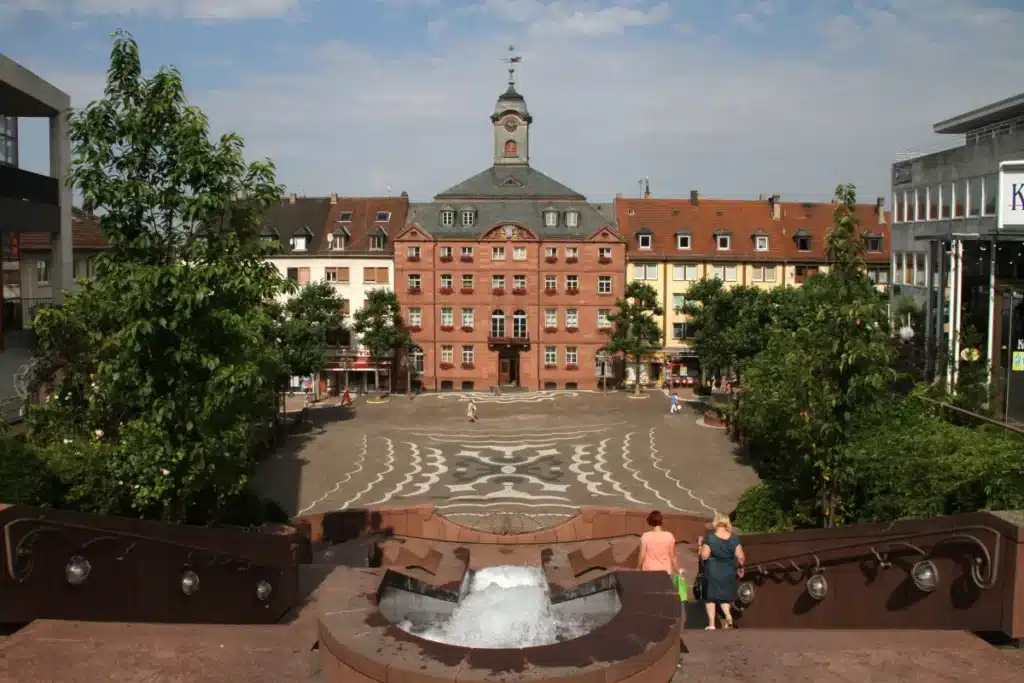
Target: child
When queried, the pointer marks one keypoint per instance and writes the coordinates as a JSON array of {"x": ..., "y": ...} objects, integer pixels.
[
  {"x": 674, "y": 403},
  {"x": 471, "y": 411}
]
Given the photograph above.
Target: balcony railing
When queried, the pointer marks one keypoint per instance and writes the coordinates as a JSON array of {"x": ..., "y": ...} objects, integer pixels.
[
  {"x": 27, "y": 186},
  {"x": 513, "y": 340}
]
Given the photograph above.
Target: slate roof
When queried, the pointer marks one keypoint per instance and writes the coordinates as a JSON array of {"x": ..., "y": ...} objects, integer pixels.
[
  {"x": 85, "y": 234},
  {"x": 665, "y": 218},
  {"x": 319, "y": 217},
  {"x": 510, "y": 182},
  {"x": 526, "y": 212}
]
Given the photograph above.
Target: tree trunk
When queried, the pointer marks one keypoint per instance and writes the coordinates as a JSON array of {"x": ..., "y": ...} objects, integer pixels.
[
  {"x": 408, "y": 374},
  {"x": 636, "y": 384},
  {"x": 376, "y": 375}
]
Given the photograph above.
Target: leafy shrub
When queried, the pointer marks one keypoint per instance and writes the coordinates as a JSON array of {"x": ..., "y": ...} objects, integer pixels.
[
  {"x": 25, "y": 478},
  {"x": 702, "y": 390},
  {"x": 761, "y": 510}
]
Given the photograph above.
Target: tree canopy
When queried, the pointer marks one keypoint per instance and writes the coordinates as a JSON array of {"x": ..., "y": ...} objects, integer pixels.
[
  {"x": 635, "y": 331},
  {"x": 380, "y": 327}
]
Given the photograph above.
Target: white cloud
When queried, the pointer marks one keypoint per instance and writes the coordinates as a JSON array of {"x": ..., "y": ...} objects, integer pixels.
[
  {"x": 208, "y": 10},
  {"x": 687, "y": 110}
]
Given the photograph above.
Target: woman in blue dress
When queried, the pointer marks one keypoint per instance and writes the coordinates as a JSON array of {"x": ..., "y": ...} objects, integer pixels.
[{"x": 723, "y": 560}]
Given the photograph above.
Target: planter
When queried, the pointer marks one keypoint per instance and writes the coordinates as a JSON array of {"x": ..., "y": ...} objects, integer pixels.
[
  {"x": 572, "y": 366},
  {"x": 550, "y": 330},
  {"x": 604, "y": 261},
  {"x": 446, "y": 259},
  {"x": 571, "y": 328},
  {"x": 520, "y": 291},
  {"x": 551, "y": 259},
  {"x": 446, "y": 366},
  {"x": 572, "y": 290},
  {"x": 498, "y": 291},
  {"x": 447, "y": 328},
  {"x": 550, "y": 291},
  {"x": 604, "y": 328},
  {"x": 466, "y": 290},
  {"x": 572, "y": 259},
  {"x": 415, "y": 290},
  {"x": 466, "y": 259},
  {"x": 412, "y": 259},
  {"x": 467, "y": 366},
  {"x": 447, "y": 290},
  {"x": 466, "y": 328},
  {"x": 415, "y": 328},
  {"x": 550, "y": 366}
]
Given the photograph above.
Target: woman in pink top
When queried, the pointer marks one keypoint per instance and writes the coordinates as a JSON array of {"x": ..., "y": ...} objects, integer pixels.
[{"x": 658, "y": 548}]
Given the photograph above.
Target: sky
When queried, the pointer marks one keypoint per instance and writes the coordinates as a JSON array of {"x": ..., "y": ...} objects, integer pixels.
[{"x": 733, "y": 98}]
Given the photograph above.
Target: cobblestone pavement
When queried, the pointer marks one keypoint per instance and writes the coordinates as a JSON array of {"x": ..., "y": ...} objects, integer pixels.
[{"x": 541, "y": 454}]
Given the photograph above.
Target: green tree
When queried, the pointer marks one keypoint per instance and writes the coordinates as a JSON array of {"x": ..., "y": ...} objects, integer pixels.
[
  {"x": 310, "y": 319},
  {"x": 166, "y": 363},
  {"x": 381, "y": 329},
  {"x": 635, "y": 330}
]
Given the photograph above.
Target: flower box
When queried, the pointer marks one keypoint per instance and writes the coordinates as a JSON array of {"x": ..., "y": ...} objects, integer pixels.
[
  {"x": 467, "y": 328},
  {"x": 447, "y": 328},
  {"x": 549, "y": 330},
  {"x": 497, "y": 291},
  {"x": 467, "y": 366},
  {"x": 604, "y": 328},
  {"x": 446, "y": 366},
  {"x": 605, "y": 260},
  {"x": 412, "y": 258},
  {"x": 572, "y": 290},
  {"x": 446, "y": 259},
  {"x": 550, "y": 291},
  {"x": 550, "y": 259},
  {"x": 466, "y": 259},
  {"x": 466, "y": 290},
  {"x": 446, "y": 290},
  {"x": 604, "y": 293},
  {"x": 572, "y": 259},
  {"x": 519, "y": 291},
  {"x": 415, "y": 290},
  {"x": 571, "y": 366},
  {"x": 549, "y": 366},
  {"x": 415, "y": 328},
  {"x": 571, "y": 328}
]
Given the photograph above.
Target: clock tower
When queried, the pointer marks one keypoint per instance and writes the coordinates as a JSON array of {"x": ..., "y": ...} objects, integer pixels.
[{"x": 511, "y": 121}]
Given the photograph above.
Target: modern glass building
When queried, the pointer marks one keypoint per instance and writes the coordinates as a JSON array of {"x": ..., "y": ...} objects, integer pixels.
[{"x": 956, "y": 253}]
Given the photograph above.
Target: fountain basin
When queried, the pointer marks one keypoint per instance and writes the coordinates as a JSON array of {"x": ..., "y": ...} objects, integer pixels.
[{"x": 360, "y": 640}]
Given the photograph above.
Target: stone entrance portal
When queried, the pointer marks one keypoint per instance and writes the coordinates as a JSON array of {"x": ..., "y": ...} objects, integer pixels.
[{"x": 508, "y": 366}]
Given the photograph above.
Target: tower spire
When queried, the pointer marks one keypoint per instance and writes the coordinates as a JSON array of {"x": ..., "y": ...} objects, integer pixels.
[{"x": 512, "y": 60}]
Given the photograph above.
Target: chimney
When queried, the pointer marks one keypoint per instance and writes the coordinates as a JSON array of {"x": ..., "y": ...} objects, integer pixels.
[
  {"x": 695, "y": 197},
  {"x": 334, "y": 198},
  {"x": 880, "y": 209},
  {"x": 760, "y": 197},
  {"x": 291, "y": 198},
  {"x": 404, "y": 194},
  {"x": 647, "y": 188},
  {"x": 775, "y": 203}
]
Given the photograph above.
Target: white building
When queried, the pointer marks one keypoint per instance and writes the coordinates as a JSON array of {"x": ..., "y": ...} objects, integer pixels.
[{"x": 346, "y": 241}]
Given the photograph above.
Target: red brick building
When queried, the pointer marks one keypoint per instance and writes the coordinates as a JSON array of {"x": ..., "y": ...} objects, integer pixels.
[{"x": 509, "y": 278}]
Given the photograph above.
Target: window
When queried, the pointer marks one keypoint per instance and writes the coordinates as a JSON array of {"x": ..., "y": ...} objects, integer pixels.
[
  {"x": 680, "y": 331},
  {"x": 723, "y": 242},
  {"x": 550, "y": 355},
  {"x": 299, "y": 242},
  {"x": 416, "y": 359},
  {"x": 604, "y": 253},
  {"x": 908, "y": 268},
  {"x": 497, "y": 282},
  {"x": 551, "y": 252},
  {"x": 376, "y": 276},
  {"x": 518, "y": 282},
  {"x": 498, "y": 323},
  {"x": 897, "y": 267},
  {"x": 683, "y": 240},
  {"x": 990, "y": 187},
  {"x": 446, "y": 252},
  {"x": 467, "y": 317},
  {"x": 519, "y": 253},
  {"x": 337, "y": 241},
  {"x": 572, "y": 252},
  {"x": 919, "y": 273},
  {"x": 604, "y": 317},
  {"x": 761, "y": 242},
  {"x": 879, "y": 276},
  {"x": 572, "y": 317},
  {"x": 43, "y": 272},
  {"x": 291, "y": 273},
  {"x": 725, "y": 273},
  {"x": 447, "y": 353},
  {"x": 803, "y": 242},
  {"x": 762, "y": 273},
  {"x": 467, "y": 354},
  {"x": 345, "y": 217},
  {"x": 550, "y": 282},
  {"x": 466, "y": 252},
  {"x": 921, "y": 204},
  {"x": 572, "y": 283},
  {"x": 414, "y": 281},
  {"x": 336, "y": 275},
  {"x": 604, "y": 284},
  {"x": 684, "y": 272},
  {"x": 300, "y": 275},
  {"x": 678, "y": 301},
  {"x": 960, "y": 198},
  {"x": 497, "y": 253},
  {"x": 551, "y": 219},
  {"x": 412, "y": 252},
  {"x": 446, "y": 281},
  {"x": 945, "y": 195},
  {"x": 467, "y": 281},
  {"x": 572, "y": 219},
  {"x": 933, "y": 202},
  {"x": 644, "y": 241},
  {"x": 383, "y": 216},
  {"x": 519, "y": 325},
  {"x": 645, "y": 271},
  {"x": 447, "y": 317},
  {"x": 572, "y": 356},
  {"x": 415, "y": 317},
  {"x": 550, "y": 317},
  {"x": 376, "y": 242},
  {"x": 74, "y": 269},
  {"x": 468, "y": 218},
  {"x": 511, "y": 149},
  {"x": 973, "y": 197},
  {"x": 897, "y": 207}
]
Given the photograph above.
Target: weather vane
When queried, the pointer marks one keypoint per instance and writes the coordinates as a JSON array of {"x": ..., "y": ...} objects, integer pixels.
[{"x": 512, "y": 60}]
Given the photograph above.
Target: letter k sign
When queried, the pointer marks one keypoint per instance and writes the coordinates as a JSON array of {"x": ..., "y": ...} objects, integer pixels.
[{"x": 1017, "y": 196}]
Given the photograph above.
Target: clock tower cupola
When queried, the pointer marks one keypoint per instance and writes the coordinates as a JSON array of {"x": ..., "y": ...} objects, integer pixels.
[{"x": 511, "y": 121}]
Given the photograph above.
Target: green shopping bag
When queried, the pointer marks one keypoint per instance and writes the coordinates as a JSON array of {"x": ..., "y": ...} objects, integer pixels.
[{"x": 681, "y": 585}]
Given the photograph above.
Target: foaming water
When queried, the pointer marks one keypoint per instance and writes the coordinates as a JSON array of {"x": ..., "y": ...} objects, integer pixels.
[{"x": 503, "y": 607}]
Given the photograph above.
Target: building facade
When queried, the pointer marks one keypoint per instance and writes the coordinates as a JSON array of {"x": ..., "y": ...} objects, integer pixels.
[
  {"x": 510, "y": 278},
  {"x": 346, "y": 241},
  {"x": 767, "y": 243},
  {"x": 952, "y": 256}
]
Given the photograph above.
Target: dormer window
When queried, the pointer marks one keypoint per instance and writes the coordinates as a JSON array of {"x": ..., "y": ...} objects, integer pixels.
[
  {"x": 377, "y": 240},
  {"x": 644, "y": 239},
  {"x": 550, "y": 218},
  {"x": 447, "y": 218},
  {"x": 803, "y": 240},
  {"x": 270, "y": 236},
  {"x": 723, "y": 241},
  {"x": 683, "y": 240},
  {"x": 572, "y": 219},
  {"x": 345, "y": 217},
  {"x": 382, "y": 216},
  {"x": 873, "y": 242},
  {"x": 760, "y": 240},
  {"x": 300, "y": 240},
  {"x": 338, "y": 240},
  {"x": 468, "y": 218}
]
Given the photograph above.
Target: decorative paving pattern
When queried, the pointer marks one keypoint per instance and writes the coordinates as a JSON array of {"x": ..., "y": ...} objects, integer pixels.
[{"x": 514, "y": 397}]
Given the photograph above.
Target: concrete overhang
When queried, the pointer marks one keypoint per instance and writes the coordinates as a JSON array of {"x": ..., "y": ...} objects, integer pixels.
[
  {"x": 1002, "y": 110},
  {"x": 24, "y": 94}
]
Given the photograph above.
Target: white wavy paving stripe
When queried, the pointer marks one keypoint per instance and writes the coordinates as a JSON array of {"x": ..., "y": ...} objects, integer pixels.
[
  {"x": 516, "y": 397},
  {"x": 344, "y": 480},
  {"x": 636, "y": 475},
  {"x": 599, "y": 464},
  {"x": 578, "y": 462},
  {"x": 507, "y": 503},
  {"x": 414, "y": 469},
  {"x": 390, "y": 467},
  {"x": 664, "y": 470},
  {"x": 437, "y": 463}
]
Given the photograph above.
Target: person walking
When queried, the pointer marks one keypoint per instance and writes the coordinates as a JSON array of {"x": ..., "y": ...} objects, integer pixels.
[
  {"x": 673, "y": 404},
  {"x": 658, "y": 548},
  {"x": 723, "y": 558},
  {"x": 471, "y": 411}
]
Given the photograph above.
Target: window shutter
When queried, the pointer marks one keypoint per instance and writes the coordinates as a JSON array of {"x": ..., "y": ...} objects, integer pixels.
[
  {"x": 303, "y": 276},
  {"x": 342, "y": 274},
  {"x": 369, "y": 275},
  {"x": 382, "y": 276}
]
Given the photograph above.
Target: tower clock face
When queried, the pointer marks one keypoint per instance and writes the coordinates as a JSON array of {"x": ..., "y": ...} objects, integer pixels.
[{"x": 511, "y": 125}]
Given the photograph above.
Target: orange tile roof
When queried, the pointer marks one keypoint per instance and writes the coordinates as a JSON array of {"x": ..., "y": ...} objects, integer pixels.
[
  {"x": 665, "y": 218},
  {"x": 85, "y": 234}
]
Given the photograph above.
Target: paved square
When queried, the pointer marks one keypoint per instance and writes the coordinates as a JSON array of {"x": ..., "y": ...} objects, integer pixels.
[{"x": 541, "y": 454}]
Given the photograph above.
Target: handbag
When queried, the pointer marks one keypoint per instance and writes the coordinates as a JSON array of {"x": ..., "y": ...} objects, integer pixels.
[{"x": 700, "y": 584}]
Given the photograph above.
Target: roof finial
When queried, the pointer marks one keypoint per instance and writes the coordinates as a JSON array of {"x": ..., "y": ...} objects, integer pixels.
[{"x": 512, "y": 60}]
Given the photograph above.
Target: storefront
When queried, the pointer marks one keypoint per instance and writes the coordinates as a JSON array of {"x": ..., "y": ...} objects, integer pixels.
[
  {"x": 355, "y": 371},
  {"x": 666, "y": 368}
]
